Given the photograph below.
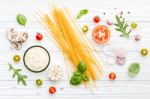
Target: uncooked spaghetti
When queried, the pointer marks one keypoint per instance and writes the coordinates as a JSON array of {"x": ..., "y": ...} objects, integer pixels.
[{"x": 70, "y": 39}]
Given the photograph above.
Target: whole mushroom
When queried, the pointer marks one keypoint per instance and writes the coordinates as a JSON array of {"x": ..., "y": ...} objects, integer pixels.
[{"x": 16, "y": 39}]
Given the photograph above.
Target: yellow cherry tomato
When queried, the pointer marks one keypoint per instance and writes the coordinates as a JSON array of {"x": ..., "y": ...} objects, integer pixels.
[
  {"x": 134, "y": 25},
  {"x": 16, "y": 58},
  {"x": 144, "y": 51},
  {"x": 85, "y": 28},
  {"x": 39, "y": 82}
]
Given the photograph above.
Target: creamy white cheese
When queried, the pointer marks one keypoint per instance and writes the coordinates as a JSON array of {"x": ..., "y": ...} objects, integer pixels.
[{"x": 36, "y": 58}]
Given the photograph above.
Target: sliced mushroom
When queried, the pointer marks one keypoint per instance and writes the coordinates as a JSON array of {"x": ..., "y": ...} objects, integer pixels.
[
  {"x": 11, "y": 34},
  {"x": 19, "y": 45},
  {"x": 16, "y": 39},
  {"x": 16, "y": 44},
  {"x": 24, "y": 37},
  {"x": 8, "y": 35}
]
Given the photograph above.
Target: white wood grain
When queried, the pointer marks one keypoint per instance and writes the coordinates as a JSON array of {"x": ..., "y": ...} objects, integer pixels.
[{"x": 123, "y": 88}]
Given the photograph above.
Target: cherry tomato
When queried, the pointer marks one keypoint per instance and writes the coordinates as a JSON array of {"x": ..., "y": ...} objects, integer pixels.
[
  {"x": 101, "y": 34},
  {"x": 16, "y": 58},
  {"x": 39, "y": 36},
  {"x": 39, "y": 82},
  {"x": 112, "y": 76},
  {"x": 85, "y": 28},
  {"x": 52, "y": 90},
  {"x": 144, "y": 51},
  {"x": 96, "y": 19},
  {"x": 134, "y": 25}
]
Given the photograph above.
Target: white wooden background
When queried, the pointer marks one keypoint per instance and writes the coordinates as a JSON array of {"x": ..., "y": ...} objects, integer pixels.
[{"x": 123, "y": 88}]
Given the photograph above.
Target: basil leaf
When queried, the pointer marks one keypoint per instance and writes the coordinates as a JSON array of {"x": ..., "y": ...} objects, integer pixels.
[
  {"x": 76, "y": 80},
  {"x": 77, "y": 73},
  {"x": 85, "y": 77},
  {"x": 82, "y": 12},
  {"x": 82, "y": 67},
  {"x": 21, "y": 19},
  {"x": 133, "y": 69}
]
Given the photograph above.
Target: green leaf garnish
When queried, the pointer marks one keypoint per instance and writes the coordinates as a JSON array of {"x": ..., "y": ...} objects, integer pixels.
[
  {"x": 20, "y": 77},
  {"x": 85, "y": 77},
  {"x": 82, "y": 12},
  {"x": 76, "y": 80},
  {"x": 82, "y": 67},
  {"x": 122, "y": 26},
  {"x": 21, "y": 19},
  {"x": 133, "y": 69}
]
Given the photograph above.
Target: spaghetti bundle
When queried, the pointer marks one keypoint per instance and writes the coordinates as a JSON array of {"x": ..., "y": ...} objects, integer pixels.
[{"x": 70, "y": 39}]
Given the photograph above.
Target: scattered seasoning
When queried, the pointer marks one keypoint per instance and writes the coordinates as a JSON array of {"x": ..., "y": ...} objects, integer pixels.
[
  {"x": 133, "y": 25},
  {"x": 82, "y": 13},
  {"x": 85, "y": 28},
  {"x": 39, "y": 36},
  {"x": 52, "y": 90},
  {"x": 112, "y": 76},
  {"x": 137, "y": 37},
  {"x": 122, "y": 26},
  {"x": 133, "y": 70},
  {"x": 121, "y": 13},
  {"x": 21, "y": 19},
  {"x": 39, "y": 82},
  {"x": 61, "y": 88},
  {"x": 104, "y": 13},
  {"x": 144, "y": 52},
  {"x": 21, "y": 78},
  {"x": 16, "y": 58},
  {"x": 96, "y": 19}
]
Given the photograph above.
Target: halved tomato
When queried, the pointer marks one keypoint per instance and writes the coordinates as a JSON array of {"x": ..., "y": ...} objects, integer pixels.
[{"x": 101, "y": 34}]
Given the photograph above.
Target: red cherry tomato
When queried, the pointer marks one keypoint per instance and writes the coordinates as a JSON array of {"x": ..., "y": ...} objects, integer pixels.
[
  {"x": 39, "y": 36},
  {"x": 96, "y": 19},
  {"x": 101, "y": 34},
  {"x": 112, "y": 76},
  {"x": 52, "y": 90}
]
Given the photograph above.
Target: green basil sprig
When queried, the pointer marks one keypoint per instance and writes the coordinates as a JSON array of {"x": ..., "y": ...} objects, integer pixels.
[
  {"x": 80, "y": 74},
  {"x": 21, "y": 19}
]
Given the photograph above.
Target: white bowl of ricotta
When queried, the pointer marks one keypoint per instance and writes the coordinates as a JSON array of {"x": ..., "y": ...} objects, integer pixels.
[{"x": 36, "y": 58}]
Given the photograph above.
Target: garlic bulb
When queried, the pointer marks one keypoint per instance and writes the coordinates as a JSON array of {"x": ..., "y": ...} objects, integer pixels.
[{"x": 55, "y": 73}]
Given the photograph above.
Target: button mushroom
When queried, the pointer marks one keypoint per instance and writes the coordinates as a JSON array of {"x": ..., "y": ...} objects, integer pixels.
[{"x": 16, "y": 39}]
